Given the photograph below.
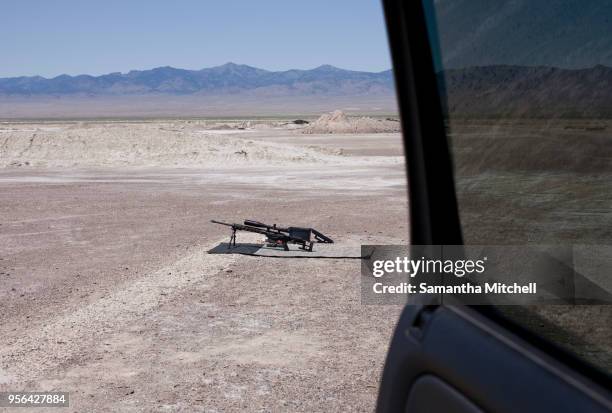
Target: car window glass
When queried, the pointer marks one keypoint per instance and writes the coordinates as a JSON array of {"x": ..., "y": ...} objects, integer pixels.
[{"x": 526, "y": 90}]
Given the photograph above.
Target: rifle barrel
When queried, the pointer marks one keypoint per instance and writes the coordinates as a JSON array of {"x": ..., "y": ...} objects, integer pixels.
[
  {"x": 221, "y": 223},
  {"x": 273, "y": 227},
  {"x": 247, "y": 228}
]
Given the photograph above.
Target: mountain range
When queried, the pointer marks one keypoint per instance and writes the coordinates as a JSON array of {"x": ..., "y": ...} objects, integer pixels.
[
  {"x": 501, "y": 58},
  {"x": 229, "y": 78},
  {"x": 480, "y": 91},
  {"x": 527, "y": 91}
]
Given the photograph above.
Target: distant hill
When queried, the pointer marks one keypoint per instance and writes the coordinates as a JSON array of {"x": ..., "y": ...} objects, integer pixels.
[
  {"x": 525, "y": 91},
  {"x": 526, "y": 58},
  {"x": 227, "y": 79}
]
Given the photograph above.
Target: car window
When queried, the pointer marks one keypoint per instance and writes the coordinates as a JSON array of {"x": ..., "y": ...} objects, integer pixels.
[{"x": 526, "y": 91}]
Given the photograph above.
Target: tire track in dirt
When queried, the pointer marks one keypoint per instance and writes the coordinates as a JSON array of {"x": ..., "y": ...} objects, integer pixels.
[{"x": 30, "y": 356}]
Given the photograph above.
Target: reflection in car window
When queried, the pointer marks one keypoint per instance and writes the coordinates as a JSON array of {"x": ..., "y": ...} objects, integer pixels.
[{"x": 526, "y": 89}]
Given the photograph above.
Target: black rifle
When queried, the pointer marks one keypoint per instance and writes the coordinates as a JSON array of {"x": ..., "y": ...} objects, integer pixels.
[{"x": 278, "y": 236}]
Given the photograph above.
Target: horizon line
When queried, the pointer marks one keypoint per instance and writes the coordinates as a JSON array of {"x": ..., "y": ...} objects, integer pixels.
[{"x": 325, "y": 65}]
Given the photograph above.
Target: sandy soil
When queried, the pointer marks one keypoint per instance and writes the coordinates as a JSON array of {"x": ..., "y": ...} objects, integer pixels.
[{"x": 107, "y": 291}]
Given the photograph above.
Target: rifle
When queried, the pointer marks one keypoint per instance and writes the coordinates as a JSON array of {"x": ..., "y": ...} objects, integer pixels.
[{"x": 278, "y": 236}]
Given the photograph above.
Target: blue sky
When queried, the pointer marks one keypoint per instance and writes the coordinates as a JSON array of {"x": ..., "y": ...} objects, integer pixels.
[{"x": 52, "y": 37}]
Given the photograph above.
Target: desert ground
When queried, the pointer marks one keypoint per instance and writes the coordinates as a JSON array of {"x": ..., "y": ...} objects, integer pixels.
[{"x": 107, "y": 290}]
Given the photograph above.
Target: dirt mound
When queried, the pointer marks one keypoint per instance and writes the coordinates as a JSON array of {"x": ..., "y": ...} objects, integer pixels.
[
  {"x": 339, "y": 122},
  {"x": 145, "y": 145}
]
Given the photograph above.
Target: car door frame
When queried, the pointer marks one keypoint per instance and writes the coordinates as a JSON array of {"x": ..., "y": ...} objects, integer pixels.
[{"x": 434, "y": 220}]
